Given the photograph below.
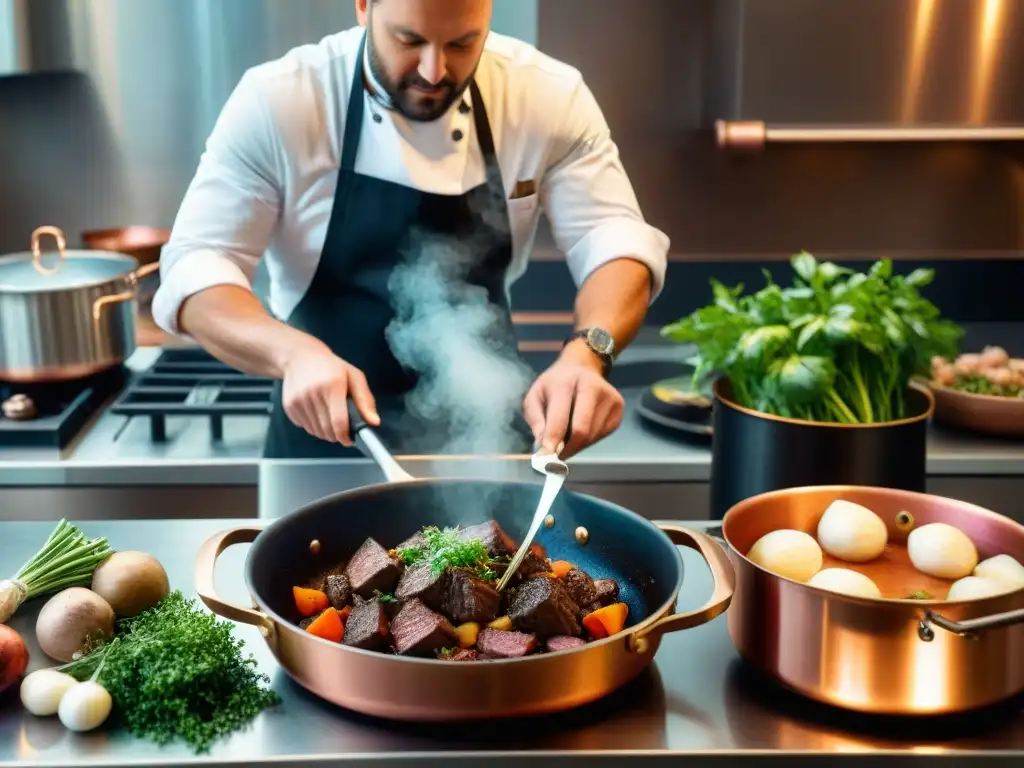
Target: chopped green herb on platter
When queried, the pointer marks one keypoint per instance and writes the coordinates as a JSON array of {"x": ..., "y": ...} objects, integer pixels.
[
  {"x": 176, "y": 672},
  {"x": 837, "y": 346}
]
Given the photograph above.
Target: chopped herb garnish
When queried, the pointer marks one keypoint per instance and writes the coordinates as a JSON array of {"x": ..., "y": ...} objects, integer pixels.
[
  {"x": 448, "y": 549},
  {"x": 384, "y": 597},
  {"x": 918, "y": 595}
]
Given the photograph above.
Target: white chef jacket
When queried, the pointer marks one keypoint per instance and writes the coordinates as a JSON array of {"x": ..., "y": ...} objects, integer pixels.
[{"x": 265, "y": 185}]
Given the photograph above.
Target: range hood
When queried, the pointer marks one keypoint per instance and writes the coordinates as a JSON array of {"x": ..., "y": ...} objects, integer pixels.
[{"x": 870, "y": 70}]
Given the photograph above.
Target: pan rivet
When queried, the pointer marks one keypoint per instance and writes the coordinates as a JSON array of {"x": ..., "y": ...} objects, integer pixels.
[
  {"x": 904, "y": 520},
  {"x": 549, "y": 521},
  {"x": 314, "y": 546},
  {"x": 582, "y": 535}
]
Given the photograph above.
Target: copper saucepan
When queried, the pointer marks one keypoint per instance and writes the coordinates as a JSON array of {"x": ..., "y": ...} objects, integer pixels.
[
  {"x": 885, "y": 656},
  {"x": 641, "y": 556}
]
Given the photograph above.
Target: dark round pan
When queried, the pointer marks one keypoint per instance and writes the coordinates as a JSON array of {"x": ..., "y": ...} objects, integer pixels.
[{"x": 639, "y": 555}]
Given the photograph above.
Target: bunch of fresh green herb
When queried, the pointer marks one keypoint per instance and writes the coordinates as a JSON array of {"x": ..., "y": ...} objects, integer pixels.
[
  {"x": 837, "y": 346},
  {"x": 175, "y": 671},
  {"x": 448, "y": 548}
]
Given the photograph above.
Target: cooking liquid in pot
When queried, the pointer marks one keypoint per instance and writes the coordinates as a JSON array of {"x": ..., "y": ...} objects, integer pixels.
[{"x": 894, "y": 574}]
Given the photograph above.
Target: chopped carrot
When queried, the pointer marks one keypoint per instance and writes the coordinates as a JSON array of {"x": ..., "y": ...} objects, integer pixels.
[
  {"x": 606, "y": 621},
  {"x": 309, "y": 601},
  {"x": 345, "y": 613},
  {"x": 562, "y": 567},
  {"x": 328, "y": 625}
]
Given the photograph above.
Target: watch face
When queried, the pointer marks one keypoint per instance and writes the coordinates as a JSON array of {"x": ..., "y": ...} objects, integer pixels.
[{"x": 601, "y": 341}]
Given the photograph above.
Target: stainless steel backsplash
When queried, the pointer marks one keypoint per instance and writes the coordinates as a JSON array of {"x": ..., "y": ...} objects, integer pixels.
[{"x": 113, "y": 138}]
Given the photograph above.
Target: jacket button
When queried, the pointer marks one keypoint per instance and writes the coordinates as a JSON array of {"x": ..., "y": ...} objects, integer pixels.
[
  {"x": 377, "y": 118},
  {"x": 457, "y": 134}
]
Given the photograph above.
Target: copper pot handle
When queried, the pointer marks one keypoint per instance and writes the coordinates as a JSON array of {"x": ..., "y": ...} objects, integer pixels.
[
  {"x": 37, "y": 252},
  {"x": 969, "y": 628},
  {"x": 206, "y": 564},
  {"x": 725, "y": 584},
  {"x": 117, "y": 298}
]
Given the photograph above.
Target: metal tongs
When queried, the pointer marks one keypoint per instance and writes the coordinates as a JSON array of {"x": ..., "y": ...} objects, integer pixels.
[{"x": 555, "y": 471}]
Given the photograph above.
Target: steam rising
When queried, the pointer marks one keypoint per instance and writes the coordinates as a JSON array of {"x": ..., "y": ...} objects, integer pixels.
[{"x": 471, "y": 381}]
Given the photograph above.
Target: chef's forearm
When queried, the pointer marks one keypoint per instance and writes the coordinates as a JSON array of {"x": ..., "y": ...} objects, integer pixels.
[
  {"x": 615, "y": 297},
  {"x": 232, "y": 324}
]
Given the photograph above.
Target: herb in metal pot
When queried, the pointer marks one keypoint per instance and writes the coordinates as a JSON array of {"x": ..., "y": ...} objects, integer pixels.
[
  {"x": 446, "y": 548},
  {"x": 837, "y": 346},
  {"x": 175, "y": 671}
]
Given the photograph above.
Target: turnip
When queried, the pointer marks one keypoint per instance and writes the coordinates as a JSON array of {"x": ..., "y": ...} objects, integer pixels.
[
  {"x": 42, "y": 691},
  {"x": 13, "y": 657},
  {"x": 72, "y": 621},
  {"x": 85, "y": 706},
  {"x": 131, "y": 582}
]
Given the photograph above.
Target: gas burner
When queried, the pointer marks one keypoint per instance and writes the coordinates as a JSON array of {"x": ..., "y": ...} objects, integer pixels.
[{"x": 19, "y": 408}]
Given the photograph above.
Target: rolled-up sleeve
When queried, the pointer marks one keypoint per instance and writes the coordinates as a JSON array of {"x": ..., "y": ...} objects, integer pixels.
[
  {"x": 229, "y": 212},
  {"x": 589, "y": 201}
]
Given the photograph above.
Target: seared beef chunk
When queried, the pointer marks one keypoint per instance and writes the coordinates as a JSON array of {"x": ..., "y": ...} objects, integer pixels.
[
  {"x": 590, "y": 609},
  {"x": 543, "y": 606},
  {"x": 367, "y": 627},
  {"x": 505, "y": 645},
  {"x": 531, "y": 566},
  {"x": 580, "y": 587},
  {"x": 372, "y": 570},
  {"x": 465, "y": 654},
  {"x": 419, "y": 582},
  {"x": 418, "y": 631},
  {"x": 493, "y": 537},
  {"x": 339, "y": 591},
  {"x": 607, "y": 591},
  {"x": 416, "y": 541},
  {"x": 563, "y": 643},
  {"x": 469, "y": 598}
]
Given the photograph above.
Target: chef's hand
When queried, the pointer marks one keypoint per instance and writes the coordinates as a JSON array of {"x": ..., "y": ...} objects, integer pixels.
[
  {"x": 573, "y": 396},
  {"x": 317, "y": 385}
]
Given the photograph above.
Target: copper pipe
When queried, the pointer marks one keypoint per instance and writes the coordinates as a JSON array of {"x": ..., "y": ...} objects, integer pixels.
[{"x": 753, "y": 134}]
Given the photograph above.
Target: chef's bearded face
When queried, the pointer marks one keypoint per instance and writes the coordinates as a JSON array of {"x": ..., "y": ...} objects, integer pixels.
[{"x": 424, "y": 52}]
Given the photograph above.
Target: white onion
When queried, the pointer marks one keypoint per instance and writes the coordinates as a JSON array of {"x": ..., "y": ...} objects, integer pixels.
[
  {"x": 85, "y": 706},
  {"x": 975, "y": 588},
  {"x": 851, "y": 532},
  {"x": 942, "y": 551},
  {"x": 788, "y": 553},
  {"x": 846, "y": 581},
  {"x": 1002, "y": 568},
  {"x": 42, "y": 691}
]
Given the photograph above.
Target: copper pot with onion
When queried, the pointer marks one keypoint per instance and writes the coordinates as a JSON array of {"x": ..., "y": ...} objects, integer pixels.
[
  {"x": 925, "y": 644},
  {"x": 66, "y": 314}
]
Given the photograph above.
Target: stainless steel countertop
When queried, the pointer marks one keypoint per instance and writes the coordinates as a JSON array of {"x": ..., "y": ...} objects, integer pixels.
[
  {"x": 697, "y": 700},
  {"x": 117, "y": 451}
]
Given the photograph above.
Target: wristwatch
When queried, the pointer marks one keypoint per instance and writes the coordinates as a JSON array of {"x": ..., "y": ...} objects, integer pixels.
[{"x": 600, "y": 342}]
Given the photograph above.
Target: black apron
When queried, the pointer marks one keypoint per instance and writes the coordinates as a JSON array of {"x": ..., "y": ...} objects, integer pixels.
[{"x": 376, "y": 228}]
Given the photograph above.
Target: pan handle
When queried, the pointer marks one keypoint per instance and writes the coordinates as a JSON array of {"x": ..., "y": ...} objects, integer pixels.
[
  {"x": 371, "y": 446},
  {"x": 119, "y": 298},
  {"x": 968, "y": 628},
  {"x": 206, "y": 563},
  {"x": 725, "y": 584}
]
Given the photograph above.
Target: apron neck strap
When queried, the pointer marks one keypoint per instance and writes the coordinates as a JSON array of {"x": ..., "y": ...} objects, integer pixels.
[{"x": 356, "y": 111}]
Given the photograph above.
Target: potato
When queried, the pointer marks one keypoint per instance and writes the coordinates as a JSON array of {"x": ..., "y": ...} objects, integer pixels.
[
  {"x": 71, "y": 620},
  {"x": 852, "y": 532},
  {"x": 845, "y": 581},
  {"x": 788, "y": 553},
  {"x": 942, "y": 550},
  {"x": 976, "y": 588},
  {"x": 130, "y": 582},
  {"x": 1002, "y": 568}
]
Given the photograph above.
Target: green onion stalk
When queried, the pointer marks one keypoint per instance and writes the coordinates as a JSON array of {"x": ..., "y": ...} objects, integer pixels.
[{"x": 67, "y": 559}]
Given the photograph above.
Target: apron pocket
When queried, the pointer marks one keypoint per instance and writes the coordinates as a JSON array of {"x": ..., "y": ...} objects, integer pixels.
[{"x": 523, "y": 214}]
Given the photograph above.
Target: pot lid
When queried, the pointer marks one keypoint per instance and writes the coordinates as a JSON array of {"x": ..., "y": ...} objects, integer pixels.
[{"x": 40, "y": 270}]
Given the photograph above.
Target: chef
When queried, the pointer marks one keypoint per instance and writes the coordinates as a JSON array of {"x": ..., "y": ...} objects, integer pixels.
[{"x": 344, "y": 160}]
